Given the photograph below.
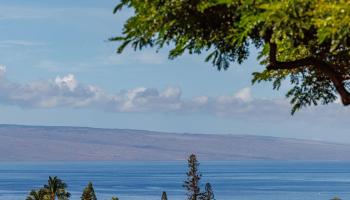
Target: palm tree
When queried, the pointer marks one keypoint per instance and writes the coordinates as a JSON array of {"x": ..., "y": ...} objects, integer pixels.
[
  {"x": 38, "y": 195},
  {"x": 56, "y": 188}
]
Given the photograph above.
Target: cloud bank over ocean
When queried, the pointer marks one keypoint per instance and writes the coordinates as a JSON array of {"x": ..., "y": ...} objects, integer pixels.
[{"x": 66, "y": 91}]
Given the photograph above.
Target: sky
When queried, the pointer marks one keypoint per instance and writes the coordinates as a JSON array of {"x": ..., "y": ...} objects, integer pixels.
[{"x": 58, "y": 68}]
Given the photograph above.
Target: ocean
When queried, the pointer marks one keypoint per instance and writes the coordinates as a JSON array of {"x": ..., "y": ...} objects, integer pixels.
[{"x": 238, "y": 180}]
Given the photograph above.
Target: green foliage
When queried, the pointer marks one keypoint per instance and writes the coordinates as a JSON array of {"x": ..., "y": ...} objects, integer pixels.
[
  {"x": 336, "y": 198},
  {"x": 41, "y": 194},
  {"x": 88, "y": 193},
  {"x": 193, "y": 177},
  {"x": 314, "y": 31},
  {"x": 56, "y": 188}
]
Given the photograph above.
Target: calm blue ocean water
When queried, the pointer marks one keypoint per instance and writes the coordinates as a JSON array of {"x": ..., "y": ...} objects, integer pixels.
[{"x": 248, "y": 180}]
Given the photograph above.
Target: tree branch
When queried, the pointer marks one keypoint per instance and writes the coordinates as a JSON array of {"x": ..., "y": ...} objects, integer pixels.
[
  {"x": 274, "y": 64},
  {"x": 336, "y": 78},
  {"x": 327, "y": 69}
]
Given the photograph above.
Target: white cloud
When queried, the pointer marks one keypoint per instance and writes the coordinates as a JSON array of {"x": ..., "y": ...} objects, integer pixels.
[
  {"x": 22, "y": 13},
  {"x": 6, "y": 43},
  {"x": 148, "y": 99},
  {"x": 66, "y": 91},
  {"x": 2, "y": 70},
  {"x": 66, "y": 82},
  {"x": 244, "y": 94},
  {"x": 44, "y": 12}
]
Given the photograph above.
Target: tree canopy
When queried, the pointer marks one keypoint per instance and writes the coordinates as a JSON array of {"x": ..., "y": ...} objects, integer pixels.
[
  {"x": 40, "y": 194},
  {"x": 56, "y": 188},
  {"x": 304, "y": 41},
  {"x": 89, "y": 193}
]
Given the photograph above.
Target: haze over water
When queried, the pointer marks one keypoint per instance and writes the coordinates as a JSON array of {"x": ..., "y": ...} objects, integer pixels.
[{"x": 251, "y": 180}]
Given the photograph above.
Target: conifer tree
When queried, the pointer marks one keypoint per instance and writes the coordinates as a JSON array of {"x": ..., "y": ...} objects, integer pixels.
[
  {"x": 193, "y": 176},
  {"x": 115, "y": 198},
  {"x": 89, "y": 193},
  {"x": 208, "y": 194},
  {"x": 164, "y": 196}
]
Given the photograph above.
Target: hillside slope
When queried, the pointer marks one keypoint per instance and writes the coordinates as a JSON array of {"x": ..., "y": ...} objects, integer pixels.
[{"x": 36, "y": 143}]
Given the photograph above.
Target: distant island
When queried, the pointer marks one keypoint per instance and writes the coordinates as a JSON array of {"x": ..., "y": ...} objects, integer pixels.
[{"x": 59, "y": 143}]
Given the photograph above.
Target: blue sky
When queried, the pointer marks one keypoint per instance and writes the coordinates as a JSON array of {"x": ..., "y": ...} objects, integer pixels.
[{"x": 57, "y": 68}]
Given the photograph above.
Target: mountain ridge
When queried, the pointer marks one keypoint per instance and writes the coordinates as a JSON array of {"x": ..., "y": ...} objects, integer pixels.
[{"x": 69, "y": 143}]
